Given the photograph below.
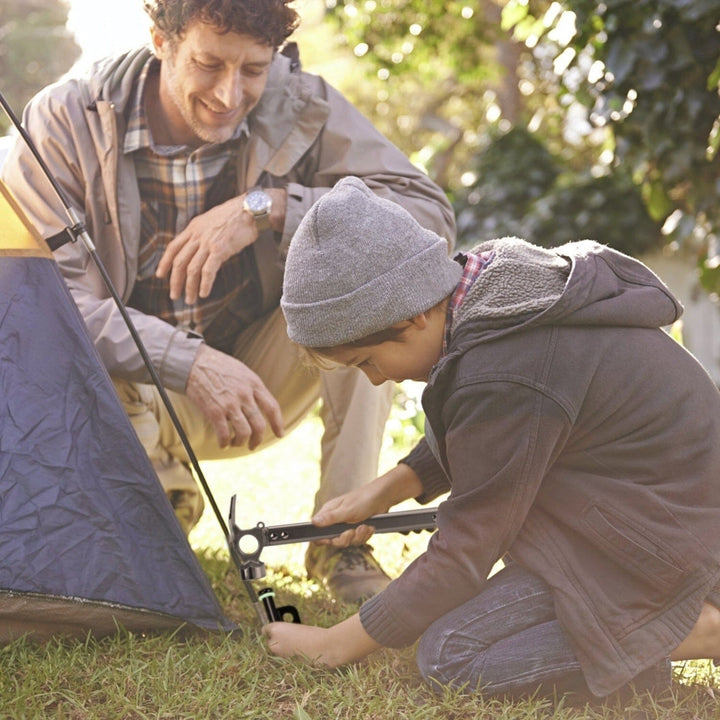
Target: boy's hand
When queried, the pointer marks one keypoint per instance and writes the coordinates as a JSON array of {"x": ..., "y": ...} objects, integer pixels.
[
  {"x": 290, "y": 639},
  {"x": 353, "y": 507},
  {"x": 378, "y": 496},
  {"x": 343, "y": 643}
]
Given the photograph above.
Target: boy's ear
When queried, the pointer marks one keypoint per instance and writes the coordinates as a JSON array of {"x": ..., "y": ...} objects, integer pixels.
[{"x": 420, "y": 321}]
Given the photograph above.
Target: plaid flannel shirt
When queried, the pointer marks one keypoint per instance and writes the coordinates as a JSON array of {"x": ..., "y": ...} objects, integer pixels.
[
  {"x": 473, "y": 265},
  {"x": 176, "y": 184}
]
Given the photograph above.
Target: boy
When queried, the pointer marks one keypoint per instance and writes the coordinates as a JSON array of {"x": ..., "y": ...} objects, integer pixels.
[{"x": 578, "y": 441}]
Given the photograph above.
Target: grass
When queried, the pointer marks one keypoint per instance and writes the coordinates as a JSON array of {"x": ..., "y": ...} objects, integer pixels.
[{"x": 133, "y": 677}]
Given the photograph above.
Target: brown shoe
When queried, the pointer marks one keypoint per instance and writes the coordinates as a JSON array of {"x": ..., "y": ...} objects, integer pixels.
[
  {"x": 188, "y": 507},
  {"x": 350, "y": 574}
]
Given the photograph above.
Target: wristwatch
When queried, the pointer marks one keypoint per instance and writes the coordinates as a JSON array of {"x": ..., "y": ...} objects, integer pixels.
[{"x": 258, "y": 203}]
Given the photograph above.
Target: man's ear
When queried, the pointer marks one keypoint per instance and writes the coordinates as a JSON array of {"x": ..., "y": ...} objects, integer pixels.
[{"x": 160, "y": 44}]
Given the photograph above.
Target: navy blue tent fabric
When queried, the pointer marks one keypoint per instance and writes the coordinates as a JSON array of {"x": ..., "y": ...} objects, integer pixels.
[{"x": 82, "y": 513}]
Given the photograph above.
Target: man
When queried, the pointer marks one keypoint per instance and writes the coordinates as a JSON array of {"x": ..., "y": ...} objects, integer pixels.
[{"x": 191, "y": 166}]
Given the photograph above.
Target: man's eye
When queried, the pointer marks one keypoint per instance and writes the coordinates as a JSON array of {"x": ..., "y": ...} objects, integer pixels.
[{"x": 207, "y": 67}]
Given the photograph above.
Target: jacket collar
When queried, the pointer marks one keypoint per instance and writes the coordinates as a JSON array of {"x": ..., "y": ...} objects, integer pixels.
[{"x": 285, "y": 123}]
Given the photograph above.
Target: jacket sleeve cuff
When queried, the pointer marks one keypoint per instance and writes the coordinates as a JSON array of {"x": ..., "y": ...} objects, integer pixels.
[
  {"x": 433, "y": 478},
  {"x": 178, "y": 359},
  {"x": 379, "y": 621}
]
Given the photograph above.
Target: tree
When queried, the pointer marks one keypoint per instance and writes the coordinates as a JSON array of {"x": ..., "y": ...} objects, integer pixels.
[
  {"x": 429, "y": 71},
  {"x": 35, "y": 49},
  {"x": 554, "y": 120},
  {"x": 648, "y": 72}
]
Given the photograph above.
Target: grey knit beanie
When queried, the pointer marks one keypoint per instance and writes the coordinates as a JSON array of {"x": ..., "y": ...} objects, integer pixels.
[{"x": 358, "y": 264}]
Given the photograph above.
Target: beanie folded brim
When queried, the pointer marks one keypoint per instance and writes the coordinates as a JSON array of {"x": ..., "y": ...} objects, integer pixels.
[{"x": 388, "y": 299}]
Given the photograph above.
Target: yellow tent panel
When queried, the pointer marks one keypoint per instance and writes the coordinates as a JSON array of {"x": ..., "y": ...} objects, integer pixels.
[{"x": 17, "y": 235}]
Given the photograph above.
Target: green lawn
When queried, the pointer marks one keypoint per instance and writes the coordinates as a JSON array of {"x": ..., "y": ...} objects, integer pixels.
[{"x": 131, "y": 677}]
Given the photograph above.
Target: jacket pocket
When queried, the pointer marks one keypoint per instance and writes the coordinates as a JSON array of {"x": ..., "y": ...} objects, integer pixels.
[{"x": 634, "y": 548}]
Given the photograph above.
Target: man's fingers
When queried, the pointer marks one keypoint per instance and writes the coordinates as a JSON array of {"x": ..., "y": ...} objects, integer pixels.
[
  {"x": 223, "y": 431},
  {"x": 168, "y": 257},
  {"x": 256, "y": 424},
  {"x": 195, "y": 273},
  {"x": 270, "y": 408},
  {"x": 249, "y": 425},
  {"x": 185, "y": 273},
  {"x": 209, "y": 270},
  {"x": 233, "y": 398},
  {"x": 248, "y": 422}
]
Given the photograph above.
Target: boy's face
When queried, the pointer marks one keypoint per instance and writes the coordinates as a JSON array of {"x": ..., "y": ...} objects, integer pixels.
[
  {"x": 410, "y": 357},
  {"x": 209, "y": 81}
]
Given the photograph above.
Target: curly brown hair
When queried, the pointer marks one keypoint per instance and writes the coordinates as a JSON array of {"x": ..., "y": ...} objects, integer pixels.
[{"x": 270, "y": 21}]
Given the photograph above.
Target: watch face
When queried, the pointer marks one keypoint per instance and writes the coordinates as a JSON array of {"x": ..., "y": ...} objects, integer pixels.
[{"x": 257, "y": 202}]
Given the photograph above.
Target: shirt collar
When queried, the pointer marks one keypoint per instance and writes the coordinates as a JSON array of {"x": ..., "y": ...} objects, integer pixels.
[{"x": 473, "y": 265}]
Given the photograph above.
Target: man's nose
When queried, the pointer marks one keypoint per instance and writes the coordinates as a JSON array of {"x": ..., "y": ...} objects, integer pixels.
[{"x": 229, "y": 90}]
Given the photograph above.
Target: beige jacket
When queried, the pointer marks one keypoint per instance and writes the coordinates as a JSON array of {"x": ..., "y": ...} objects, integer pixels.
[{"x": 304, "y": 136}]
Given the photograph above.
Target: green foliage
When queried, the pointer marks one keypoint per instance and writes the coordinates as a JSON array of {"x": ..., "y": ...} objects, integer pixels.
[
  {"x": 406, "y": 424},
  {"x": 421, "y": 71},
  {"x": 622, "y": 94},
  {"x": 659, "y": 59},
  {"x": 608, "y": 209},
  {"x": 420, "y": 35},
  {"x": 35, "y": 49},
  {"x": 496, "y": 203},
  {"x": 549, "y": 203},
  {"x": 647, "y": 72}
]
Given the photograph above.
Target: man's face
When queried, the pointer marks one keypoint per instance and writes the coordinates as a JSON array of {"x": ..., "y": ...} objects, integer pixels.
[{"x": 209, "y": 81}]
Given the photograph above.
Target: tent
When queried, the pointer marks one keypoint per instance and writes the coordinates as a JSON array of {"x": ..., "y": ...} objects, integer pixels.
[{"x": 88, "y": 539}]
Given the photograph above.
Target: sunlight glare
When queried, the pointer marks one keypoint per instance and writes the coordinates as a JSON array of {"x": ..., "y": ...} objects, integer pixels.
[{"x": 103, "y": 29}]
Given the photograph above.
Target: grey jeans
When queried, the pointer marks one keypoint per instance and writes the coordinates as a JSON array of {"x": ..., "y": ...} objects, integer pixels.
[{"x": 507, "y": 641}]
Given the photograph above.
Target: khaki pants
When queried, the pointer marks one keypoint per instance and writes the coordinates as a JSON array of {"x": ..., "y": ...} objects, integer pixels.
[{"x": 353, "y": 413}]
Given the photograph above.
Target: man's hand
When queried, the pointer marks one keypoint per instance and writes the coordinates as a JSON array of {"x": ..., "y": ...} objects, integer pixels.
[
  {"x": 233, "y": 398},
  {"x": 194, "y": 257}
]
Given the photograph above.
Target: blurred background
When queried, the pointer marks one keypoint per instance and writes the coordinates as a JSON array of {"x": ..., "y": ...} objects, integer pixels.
[{"x": 553, "y": 121}]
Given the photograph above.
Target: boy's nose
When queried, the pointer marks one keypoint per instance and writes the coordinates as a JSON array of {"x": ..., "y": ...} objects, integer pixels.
[{"x": 374, "y": 376}]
